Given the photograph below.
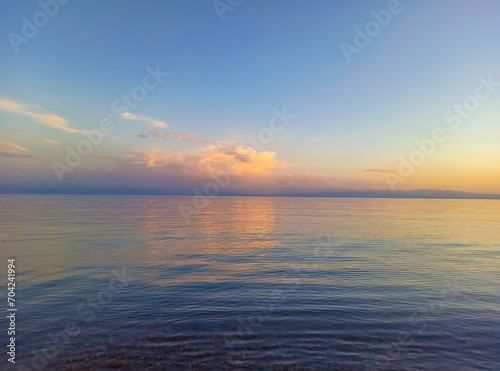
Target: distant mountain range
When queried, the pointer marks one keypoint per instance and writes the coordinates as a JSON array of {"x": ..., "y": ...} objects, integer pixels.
[
  {"x": 421, "y": 193},
  {"x": 370, "y": 193}
]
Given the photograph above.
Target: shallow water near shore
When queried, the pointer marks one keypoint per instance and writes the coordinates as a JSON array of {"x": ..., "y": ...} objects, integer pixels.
[{"x": 253, "y": 283}]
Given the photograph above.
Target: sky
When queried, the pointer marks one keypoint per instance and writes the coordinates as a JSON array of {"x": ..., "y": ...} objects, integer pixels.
[{"x": 254, "y": 97}]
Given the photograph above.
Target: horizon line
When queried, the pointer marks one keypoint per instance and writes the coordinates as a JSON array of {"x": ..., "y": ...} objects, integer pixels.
[{"x": 367, "y": 194}]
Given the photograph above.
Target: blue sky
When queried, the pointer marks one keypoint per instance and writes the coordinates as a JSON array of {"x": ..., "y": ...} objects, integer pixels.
[{"x": 226, "y": 78}]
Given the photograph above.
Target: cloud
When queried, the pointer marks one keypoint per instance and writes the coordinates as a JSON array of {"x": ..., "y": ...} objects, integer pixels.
[
  {"x": 233, "y": 151},
  {"x": 150, "y": 121},
  {"x": 50, "y": 142},
  {"x": 307, "y": 177},
  {"x": 238, "y": 161},
  {"x": 38, "y": 114},
  {"x": 181, "y": 136},
  {"x": 317, "y": 139},
  {"x": 13, "y": 150},
  {"x": 378, "y": 171}
]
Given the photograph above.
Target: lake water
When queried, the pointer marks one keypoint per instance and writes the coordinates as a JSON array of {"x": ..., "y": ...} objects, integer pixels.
[{"x": 252, "y": 283}]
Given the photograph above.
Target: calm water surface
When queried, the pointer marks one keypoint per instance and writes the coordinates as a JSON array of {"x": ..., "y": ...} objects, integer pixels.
[{"x": 250, "y": 283}]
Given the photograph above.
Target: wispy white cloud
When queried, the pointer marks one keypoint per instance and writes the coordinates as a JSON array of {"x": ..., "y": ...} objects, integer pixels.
[
  {"x": 378, "y": 171},
  {"x": 181, "y": 136},
  {"x": 8, "y": 149},
  {"x": 150, "y": 121},
  {"x": 37, "y": 113},
  {"x": 49, "y": 142},
  {"x": 318, "y": 138}
]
